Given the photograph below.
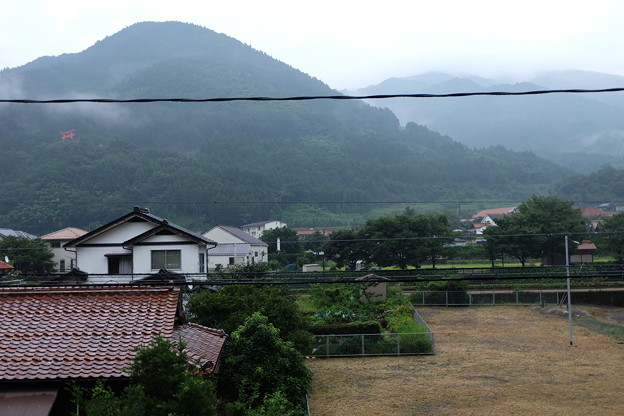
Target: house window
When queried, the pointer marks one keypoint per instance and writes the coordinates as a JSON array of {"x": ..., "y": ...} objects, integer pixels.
[
  {"x": 231, "y": 261},
  {"x": 62, "y": 265},
  {"x": 55, "y": 244},
  {"x": 166, "y": 259},
  {"x": 202, "y": 262}
]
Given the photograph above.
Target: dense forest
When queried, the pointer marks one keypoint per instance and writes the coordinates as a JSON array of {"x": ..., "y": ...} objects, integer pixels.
[{"x": 199, "y": 164}]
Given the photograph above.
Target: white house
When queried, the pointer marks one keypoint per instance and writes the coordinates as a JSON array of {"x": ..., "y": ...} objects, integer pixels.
[
  {"x": 139, "y": 245},
  {"x": 255, "y": 229},
  {"x": 234, "y": 247},
  {"x": 63, "y": 260}
]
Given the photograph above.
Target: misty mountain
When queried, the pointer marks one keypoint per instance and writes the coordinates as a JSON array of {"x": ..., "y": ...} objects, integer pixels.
[
  {"x": 579, "y": 131},
  {"x": 323, "y": 162}
]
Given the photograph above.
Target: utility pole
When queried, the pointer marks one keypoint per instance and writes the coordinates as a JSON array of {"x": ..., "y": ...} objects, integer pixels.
[{"x": 567, "y": 263}]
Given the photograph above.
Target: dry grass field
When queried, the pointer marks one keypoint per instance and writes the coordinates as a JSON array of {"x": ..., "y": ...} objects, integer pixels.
[{"x": 504, "y": 360}]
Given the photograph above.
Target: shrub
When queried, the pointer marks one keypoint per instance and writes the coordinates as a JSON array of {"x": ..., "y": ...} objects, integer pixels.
[
  {"x": 228, "y": 309},
  {"x": 369, "y": 327},
  {"x": 259, "y": 363}
]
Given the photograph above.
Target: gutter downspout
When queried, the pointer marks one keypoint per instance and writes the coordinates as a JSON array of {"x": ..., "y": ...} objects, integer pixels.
[{"x": 75, "y": 256}]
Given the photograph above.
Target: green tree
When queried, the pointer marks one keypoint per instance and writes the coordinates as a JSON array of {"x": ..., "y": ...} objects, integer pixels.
[
  {"x": 162, "y": 383},
  {"x": 393, "y": 241},
  {"x": 26, "y": 255},
  {"x": 537, "y": 228},
  {"x": 289, "y": 244},
  {"x": 404, "y": 240},
  {"x": 314, "y": 242},
  {"x": 229, "y": 307},
  {"x": 258, "y": 364},
  {"x": 612, "y": 236},
  {"x": 345, "y": 248},
  {"x": 510, "y": 236},
  {"x": 438, "y": 228}
]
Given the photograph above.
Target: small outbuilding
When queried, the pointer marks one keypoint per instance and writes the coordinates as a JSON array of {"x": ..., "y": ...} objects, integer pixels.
[{"x": 374, "y": 288}]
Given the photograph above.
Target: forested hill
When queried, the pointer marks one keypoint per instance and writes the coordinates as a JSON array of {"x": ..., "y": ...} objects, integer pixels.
[
  {"x": 206, "y": 163},
  {"x": 579, "y": 131}
]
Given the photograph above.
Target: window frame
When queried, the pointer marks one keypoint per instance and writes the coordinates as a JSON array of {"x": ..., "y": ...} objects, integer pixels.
[{"x": 169, "y": 261}]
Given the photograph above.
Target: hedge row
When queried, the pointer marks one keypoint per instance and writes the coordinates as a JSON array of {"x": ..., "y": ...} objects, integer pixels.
[{"x": 369, "y": 327}]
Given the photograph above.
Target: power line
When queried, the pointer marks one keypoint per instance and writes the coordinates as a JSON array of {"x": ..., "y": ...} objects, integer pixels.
[{"x": 310, "y": 97}]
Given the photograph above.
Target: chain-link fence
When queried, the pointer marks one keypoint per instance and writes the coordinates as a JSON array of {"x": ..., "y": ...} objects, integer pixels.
[
  {"x": 507, "y": 297},
  {"x": 354, "y": 345},
  {"x": 360, "y": 345}
]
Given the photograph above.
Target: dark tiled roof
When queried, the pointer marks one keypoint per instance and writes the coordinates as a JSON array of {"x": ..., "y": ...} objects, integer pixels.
[
  {"x": 145, "y": 215},
  {"x": 199, "y": 239},
  {"x": 230, "y": 249},
  {"x": 7, "y": 232},
  {"x": 51, "y": 333},
  {"x": 203, "y": 345},
  {"x": 242, "y": 235}
]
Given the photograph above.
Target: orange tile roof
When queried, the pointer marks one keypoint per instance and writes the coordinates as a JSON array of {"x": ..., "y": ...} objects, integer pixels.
[
  {"x": 493, "y": 211},
  {"x": 4, "y": 265},
  {"x": 595, "y": 212},
  {"x": 68, "y": 233},
  {"x": 51, "y": 333},
  {"x": 586, "y": 245}
]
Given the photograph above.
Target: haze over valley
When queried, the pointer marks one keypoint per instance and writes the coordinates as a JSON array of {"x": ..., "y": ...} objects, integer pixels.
[{"x": 310, "y": 163}]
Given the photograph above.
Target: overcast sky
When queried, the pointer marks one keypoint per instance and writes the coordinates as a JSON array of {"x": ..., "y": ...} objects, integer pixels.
[{"x": 349, "y": 44}]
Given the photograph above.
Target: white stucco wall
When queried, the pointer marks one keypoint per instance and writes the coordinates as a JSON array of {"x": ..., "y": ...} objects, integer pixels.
[
  {"x": 61, "y": 254},
  {"x": 93, "y": 259},
  {"x": 221, "y": 236}
]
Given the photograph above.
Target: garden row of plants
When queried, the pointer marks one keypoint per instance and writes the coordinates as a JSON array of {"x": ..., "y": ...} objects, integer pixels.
[{"x": 344, "y": 324}]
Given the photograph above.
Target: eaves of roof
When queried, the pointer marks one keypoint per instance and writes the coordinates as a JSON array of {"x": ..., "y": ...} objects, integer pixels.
[
  {"x": 135, "y": 214},
  {"x": 199, "y": 239}
]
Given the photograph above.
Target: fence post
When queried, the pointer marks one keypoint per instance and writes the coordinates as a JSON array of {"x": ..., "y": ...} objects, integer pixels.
[
  {"x": 362, "y": 336},
  {"x": 541, "y": 301},
  {"x": 446, "y": 294},
  {"x": 493, "y": 298},
  {"x": 517, "y": 298},
  {"x": 398, "y": 344},
  {"x": 327, "y": 345},
  {"x": 423, "y": 298},
  {"x": 469, "y": 298}
]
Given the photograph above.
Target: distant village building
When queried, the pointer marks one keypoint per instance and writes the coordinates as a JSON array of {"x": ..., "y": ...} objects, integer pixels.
[
  {"x": 234, "y": 247},
  {"x": 487, "y": 218},
  {"x": 584, "y": 252},
  {"x": 493, "y": 213},
  {"x": 7, "y": 232},
  {"x": 596, "y": 212},
  {"x": 255, "y": 229},
  {"x": 5, "y": 267},
  {"x": 306, "y": 232},
  {"x": 64, "y": 260}
]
